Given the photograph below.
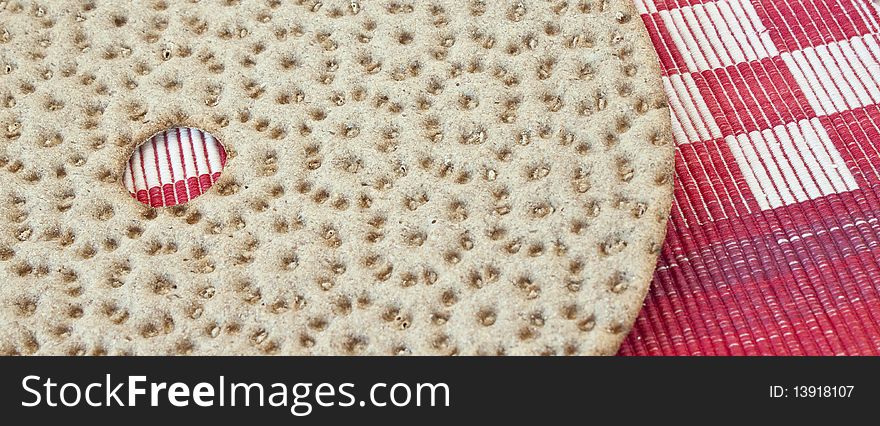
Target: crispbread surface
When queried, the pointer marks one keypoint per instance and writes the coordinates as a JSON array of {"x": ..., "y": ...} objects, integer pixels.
[{"x": 404, "y": 177}]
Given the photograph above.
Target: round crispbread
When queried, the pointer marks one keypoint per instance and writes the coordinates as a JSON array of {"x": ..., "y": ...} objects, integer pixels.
[{"x": 403, "y": 177}]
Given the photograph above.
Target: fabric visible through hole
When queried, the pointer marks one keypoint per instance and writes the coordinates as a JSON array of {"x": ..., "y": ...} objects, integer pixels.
[{"x": 174, "y": 166}]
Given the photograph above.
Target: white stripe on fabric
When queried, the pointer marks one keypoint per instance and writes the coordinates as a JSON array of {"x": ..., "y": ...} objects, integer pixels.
[
  {"x": 189, "y": 162},
  {"x": 162, "y": 157},
  {"x": 793, "y": 146},
  {"x": 198, "y": 143},
  {"x": 684, "y": 95},
  {"x": 753, "y": 173},
  {"x": 866, "y": 71},
  {"x": 832, "y": 76},
  {"x": 646, "y": 6},
  {"x": 678, "y": 133},
  {"x": 807, "y": 81},
  {"x": 828, "y": 156},
  {"x": 743, "y": 11},
  {"x": 174, "y": 153},
  {"x": 148, "y": 158},
  {"x": 739, "y": 35},
  {"x": 872, "y": 45},
  {"x": 785, "y": 177},
  {"x": 777, "y": 183},
  {"x": 791, "y": 163},
  {"x": 709, "y": 14},
  {"x": 213, "y": 153},
  {"x": 682, "y": 128},
  {"x": 684, "y": 40}
]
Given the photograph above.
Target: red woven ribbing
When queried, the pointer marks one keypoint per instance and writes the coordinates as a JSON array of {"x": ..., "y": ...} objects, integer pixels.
[{"x": 774, "y": 240}]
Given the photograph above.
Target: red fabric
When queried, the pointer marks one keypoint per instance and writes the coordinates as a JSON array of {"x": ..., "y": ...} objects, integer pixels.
[{"x": 774, "y": 240}]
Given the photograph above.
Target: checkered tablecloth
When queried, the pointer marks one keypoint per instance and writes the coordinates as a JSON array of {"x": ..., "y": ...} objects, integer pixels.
[
  {"x": 773, "y": 242},
  {"x": 774, "y": 239}
]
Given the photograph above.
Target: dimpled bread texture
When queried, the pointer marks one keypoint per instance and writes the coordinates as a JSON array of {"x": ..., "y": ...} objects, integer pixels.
[{"x": 404, "y": 177}]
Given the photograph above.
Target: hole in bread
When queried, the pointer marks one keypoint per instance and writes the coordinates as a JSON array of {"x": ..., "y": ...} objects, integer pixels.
[{"x": 174, "y": 166}]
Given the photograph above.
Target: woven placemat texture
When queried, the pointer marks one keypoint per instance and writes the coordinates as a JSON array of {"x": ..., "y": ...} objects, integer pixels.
[{"x": 773, "y": 243}]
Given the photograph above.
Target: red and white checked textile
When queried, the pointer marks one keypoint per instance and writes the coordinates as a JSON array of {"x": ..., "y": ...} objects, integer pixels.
[
  {"x": 774, "y": 239},
  {"x": 174, "y": 166}
]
